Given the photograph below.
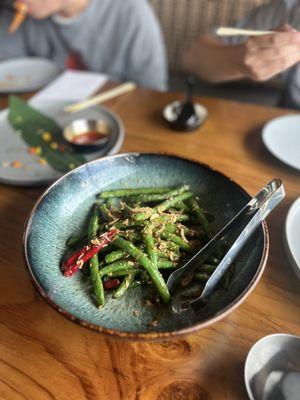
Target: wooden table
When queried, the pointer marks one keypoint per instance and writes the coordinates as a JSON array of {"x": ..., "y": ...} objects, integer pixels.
[{"x": 45, "y": 356}]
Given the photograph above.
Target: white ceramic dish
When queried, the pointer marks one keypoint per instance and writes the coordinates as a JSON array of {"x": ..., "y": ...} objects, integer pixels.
[
  {"x": 14, "y": 148},
  {"x": 281, "y": 136},
  {"x": 26, "y": 74},
  {"x": 292, "y": 236},
  {"x": 272, "y": 368},
  {"x": 170, "y": 115}
]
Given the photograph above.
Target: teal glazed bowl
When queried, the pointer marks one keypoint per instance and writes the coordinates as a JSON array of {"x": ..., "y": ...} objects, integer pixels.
[{"x": 64, "y": 209}]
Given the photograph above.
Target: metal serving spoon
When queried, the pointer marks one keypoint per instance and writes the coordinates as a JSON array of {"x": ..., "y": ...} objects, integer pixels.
[{"x": 243, "y": 224}]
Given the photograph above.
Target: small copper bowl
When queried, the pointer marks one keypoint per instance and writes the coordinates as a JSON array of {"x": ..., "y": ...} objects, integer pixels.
[{"x": 87, "y": 135}]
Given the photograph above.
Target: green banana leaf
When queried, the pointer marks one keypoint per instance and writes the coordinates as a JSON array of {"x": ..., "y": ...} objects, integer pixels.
[{"x": 32, "y": 126}]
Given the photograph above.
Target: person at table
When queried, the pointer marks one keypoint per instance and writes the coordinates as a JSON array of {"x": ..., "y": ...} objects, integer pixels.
[
  {"x": 258, "y": 58},
  {"x": 121, "y": 38}
]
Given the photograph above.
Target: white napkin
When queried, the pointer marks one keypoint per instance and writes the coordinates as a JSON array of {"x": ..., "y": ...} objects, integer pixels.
[{"x": 71, "y": 86}]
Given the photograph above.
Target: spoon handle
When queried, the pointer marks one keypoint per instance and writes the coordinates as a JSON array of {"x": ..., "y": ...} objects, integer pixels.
[
  {"x": 269, "y": 192},
  {"x": 264, "y": 202}
]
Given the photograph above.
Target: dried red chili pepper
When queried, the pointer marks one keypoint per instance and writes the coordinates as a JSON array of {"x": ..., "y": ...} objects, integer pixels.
[{"x": 75, "y": 262}]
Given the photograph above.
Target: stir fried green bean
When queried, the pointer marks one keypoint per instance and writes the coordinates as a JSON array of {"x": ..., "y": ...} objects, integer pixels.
[
  {"x": 157, "y": 231},
  {"x": 94, "y": 262}
]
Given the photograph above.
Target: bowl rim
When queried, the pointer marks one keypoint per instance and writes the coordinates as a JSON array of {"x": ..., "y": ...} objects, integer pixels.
[
  {"x": 150, "y": 335},
  {"x": 253, "y": 349}
]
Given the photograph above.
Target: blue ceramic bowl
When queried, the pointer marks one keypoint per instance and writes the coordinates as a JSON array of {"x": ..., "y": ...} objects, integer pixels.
[{"x": 63, "y": 210}]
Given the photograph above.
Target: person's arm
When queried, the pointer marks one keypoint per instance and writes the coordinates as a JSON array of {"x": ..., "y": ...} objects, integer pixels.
[
  {"x": 256, "y": 58},
  {"x": 213, "y": 61},
  {"x": 259, "y": 58}
]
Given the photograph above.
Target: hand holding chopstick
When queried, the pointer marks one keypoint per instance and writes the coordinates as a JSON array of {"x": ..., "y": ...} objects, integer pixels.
[
  {"x": 264, "y": 54},
  {"x": 100, "y": 98}
]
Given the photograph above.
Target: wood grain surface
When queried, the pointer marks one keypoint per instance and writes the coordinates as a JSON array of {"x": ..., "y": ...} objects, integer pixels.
[{"x": 45, "y": 356}]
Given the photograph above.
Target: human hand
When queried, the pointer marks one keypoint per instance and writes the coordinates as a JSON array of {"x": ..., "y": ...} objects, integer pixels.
[
  {"x": 262, "y": 57},
  {"x": 42, "y": 9}
]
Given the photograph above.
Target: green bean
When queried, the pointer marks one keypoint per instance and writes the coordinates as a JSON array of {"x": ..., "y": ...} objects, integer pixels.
[
  {"x": 181, "y": 228},
  {"x": 93, "y": 225},
  {"x": 97, "y": 282},
  {"x": 112, "y": 203},
  {"x": 127, "y": 224},
  {"x": 140, "y": 282},
  {"x": 125, "y": 284},
  {"x": 125, "y": 207},
  {"x": 167, "y": 218},
  {"x": 178, "y": 240},
  {"x": 207, "y": 268},
  {"x": 173, "y": 200},
  {"x": 136, "y": 284},
  {"x": 94, "y": 262},
  {"x": 163, "y": 206},
  {"x": 131, "y": 235},
  {"x": 165, "y": 245},
  {"x": 150, "y": 246},
  {"x": 201, "y": 218},
  {"x": 182, "y": 207},
  {"x": 201, "y": 276},
  {"x": 154, "y": 197},
  {"x": 105, "y": 213},
  {"x": 120, "y": 265},
  {"x": 114, "y": 256},
  {"x": 144, "y": 261},
  {"x": 182, "y": 217},
  {"x": 165, "y": 264},
  {"x": 150, "y": 198},
  {"x": 125, "y": 272},
  {"x": 131, "y": 192},
  {"x": 75, "y": 240}
]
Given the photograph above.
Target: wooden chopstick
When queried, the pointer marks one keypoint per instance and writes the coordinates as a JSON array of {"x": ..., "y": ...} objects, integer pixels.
[
  {"x": 227, "y": 31},
  {"x": 100, "y": 98}
]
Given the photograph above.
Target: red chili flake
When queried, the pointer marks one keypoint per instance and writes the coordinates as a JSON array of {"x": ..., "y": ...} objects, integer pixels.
[
  {"x": 111, "y": 284},
  {"x": 16, "y": 164},
  {"x": 31, "y": 150},
  {"x": 42, "y": 161},
  {"x": 62, "y": 148}
]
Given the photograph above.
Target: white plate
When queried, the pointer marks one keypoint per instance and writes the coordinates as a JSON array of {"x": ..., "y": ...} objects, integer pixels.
[
  {"x": 26, "y": 74},
  {"x": 281, "y": 137},
  {"x": 292, "y": 236},
  {"x": 14, "y": 148}
]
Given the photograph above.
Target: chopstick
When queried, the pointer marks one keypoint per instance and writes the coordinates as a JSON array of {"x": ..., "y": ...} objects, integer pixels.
[
  {"x": 227, "y": 31},
  {"x": 19, "y": 16},
  {"x": 100, "y": 98}
]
